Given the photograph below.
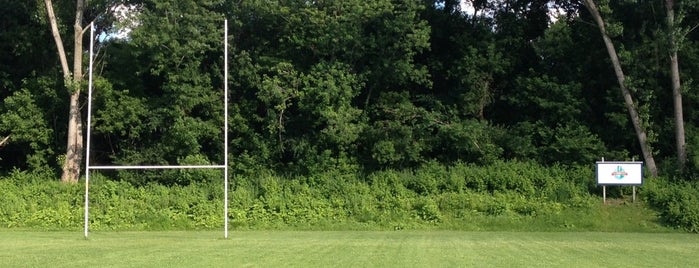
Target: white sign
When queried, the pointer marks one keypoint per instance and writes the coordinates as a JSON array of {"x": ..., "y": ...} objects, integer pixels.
[{"x": 619, "y": 173}]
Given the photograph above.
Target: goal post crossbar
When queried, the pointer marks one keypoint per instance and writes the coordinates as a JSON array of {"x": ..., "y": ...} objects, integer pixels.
[
  {"x": 157, "y": 167},
  {"x": 224, "y": 166}
]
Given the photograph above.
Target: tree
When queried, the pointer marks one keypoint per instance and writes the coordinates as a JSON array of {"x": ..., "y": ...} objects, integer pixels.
[
  {"x": 72, "y": 80},
  {"x": 621, "y": 79},
  {"x": 676, "y": 85},
  {"x": 26, "y": 104}
]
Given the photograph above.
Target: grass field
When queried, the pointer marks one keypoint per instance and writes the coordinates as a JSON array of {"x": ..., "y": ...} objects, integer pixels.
[{"x": 348, "y": 249}]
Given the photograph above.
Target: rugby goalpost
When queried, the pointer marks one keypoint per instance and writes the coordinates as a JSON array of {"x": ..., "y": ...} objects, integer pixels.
[{"x": 223, "y": 166}]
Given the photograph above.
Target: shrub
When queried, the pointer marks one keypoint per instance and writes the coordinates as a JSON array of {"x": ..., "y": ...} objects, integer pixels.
[
  {"x": 677, "y": 202},
  {"x": 432, "y": 195},
  {"x": 30, "y": 200},
  {"x": 426, "y": 209}
]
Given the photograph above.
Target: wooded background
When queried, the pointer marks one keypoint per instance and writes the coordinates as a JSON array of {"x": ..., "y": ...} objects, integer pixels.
[{"x": 356, "y": 86}]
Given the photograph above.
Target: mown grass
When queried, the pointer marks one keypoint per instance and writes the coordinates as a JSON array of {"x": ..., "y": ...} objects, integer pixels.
[{"x": 348, "y": 249}]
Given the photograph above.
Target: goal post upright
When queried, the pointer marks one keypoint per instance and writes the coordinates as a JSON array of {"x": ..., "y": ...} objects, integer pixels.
[
  {"x": 224, "y": 166},
  {"x": 225, "y": 128},
  {"x": 89, "y": 117}
]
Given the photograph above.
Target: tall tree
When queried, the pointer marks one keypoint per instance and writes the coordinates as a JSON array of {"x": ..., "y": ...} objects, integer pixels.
[
  {"x": 676, "y": 85},
  {"x": 72, "y": 80},
  {"x": 621, "y": 79},
  {"x": 25, "y": 132}
]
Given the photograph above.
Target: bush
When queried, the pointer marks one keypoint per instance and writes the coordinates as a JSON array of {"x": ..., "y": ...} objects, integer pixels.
[
  {"x": 30, "y": 200},
  {"x": 426, "y": 209},
  {"x": 432, "y": 195},
  {"x": 677, "y": 202}
]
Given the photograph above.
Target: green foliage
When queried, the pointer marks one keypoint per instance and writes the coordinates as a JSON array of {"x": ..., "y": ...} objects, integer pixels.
[
  {"x": 475, "y": 74},
  {"x": 156, "y": 101},
  {"x": 473, "y": 141},
  {"x": 116, "y": 112},
  {"x": 354, "y": 85},
  {"x": 25, "y": 40},
  {"x": 544, "y": 95},
  {"x": 570, "y": 144},
  {"x": 396, "y": 114},
  {"x": 30, "y": 201},
  {"x": 30, "y": 136},
  {"x": 693, "y": 150},
  {"x": 119, "y": 205},
  {"x": 505, "y": 195},
  {"x": 33, "y": 202},
  {"x": 397, "y": 137},
  {"x": 426, "y": 209},
  {"x": 677, "y": 202},
  {"x": 301, "y": 89}
]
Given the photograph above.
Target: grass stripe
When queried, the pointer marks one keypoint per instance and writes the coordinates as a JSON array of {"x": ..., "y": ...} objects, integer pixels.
[{"x": 348, "y": 249}]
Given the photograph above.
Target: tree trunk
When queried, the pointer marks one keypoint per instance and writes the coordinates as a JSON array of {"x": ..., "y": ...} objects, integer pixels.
[
  {"x": 74, "y": 145},
  {"x": 630, "y": 106},
  {"x": 676, "y": 87}
]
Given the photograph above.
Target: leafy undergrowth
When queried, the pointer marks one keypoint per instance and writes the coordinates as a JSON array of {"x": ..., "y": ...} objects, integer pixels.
[{"x": 503, "y": 197}]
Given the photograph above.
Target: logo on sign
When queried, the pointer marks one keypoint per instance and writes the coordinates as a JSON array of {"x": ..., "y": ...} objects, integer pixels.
[{"x": 619, "y": 173}]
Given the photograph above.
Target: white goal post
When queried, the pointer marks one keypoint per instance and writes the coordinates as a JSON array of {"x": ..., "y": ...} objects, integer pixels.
[{"x": 223, "y": 166}]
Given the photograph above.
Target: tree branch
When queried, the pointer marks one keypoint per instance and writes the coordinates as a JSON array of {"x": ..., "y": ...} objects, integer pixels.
[
  {"x": 57, "y": 39},
  {"x": 4, "y": 141},
  {"x": 87, "y": 27}
]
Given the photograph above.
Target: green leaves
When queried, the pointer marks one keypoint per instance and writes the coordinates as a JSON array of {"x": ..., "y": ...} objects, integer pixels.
[
  {"x": 118, "y": 113},
  {"x": 331, "y": 90},
  {"x": 396, "y": 137},
  {"x": 25, "y": 123},
  {"x": 161, "y": 103},
  {"x": 350, "y": 84}
]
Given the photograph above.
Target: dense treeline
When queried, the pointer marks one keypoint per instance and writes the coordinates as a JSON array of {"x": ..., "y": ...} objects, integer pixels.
[{"x": 353, "y": 87}]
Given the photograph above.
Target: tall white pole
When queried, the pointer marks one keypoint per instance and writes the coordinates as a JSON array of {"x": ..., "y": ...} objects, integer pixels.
[
  {"x": 225, "y": 127},
  {"x": 89, "y": 116}
]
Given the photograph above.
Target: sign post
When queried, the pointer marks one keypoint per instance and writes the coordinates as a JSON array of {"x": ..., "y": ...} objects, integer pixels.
[{"x": 619, "y": 173}]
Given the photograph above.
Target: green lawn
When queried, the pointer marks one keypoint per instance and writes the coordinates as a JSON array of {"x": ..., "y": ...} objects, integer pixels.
[{"x": 348, "y": 249}]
